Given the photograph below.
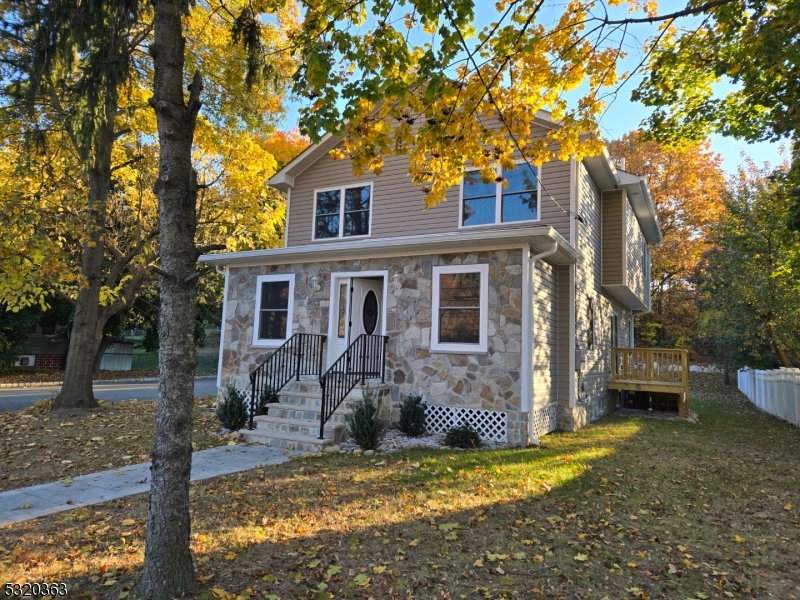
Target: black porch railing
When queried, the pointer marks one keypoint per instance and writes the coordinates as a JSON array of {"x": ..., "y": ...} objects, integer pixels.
[
  {"x": 364, "y": 359},
  {"x": 302, "y": 354}
]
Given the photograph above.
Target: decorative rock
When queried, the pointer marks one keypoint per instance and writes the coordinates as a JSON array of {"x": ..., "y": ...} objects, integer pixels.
[
  {"x": 333, "y": 449},
  {"x": 369, "y": 452},
  {"x": 358, "y": 451}
]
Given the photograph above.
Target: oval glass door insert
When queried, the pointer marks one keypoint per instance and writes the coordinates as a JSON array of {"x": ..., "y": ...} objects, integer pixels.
[{"x": 370, "y": 312}]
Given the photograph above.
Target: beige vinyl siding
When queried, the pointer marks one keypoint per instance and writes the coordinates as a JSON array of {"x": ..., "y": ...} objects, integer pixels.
[
  {"x": 592, "y": 383},
  {"x": 565, "y": 343},
  {"x": 398, "y": 206},
  {"x": 636, "y": 252},
  {"x": 613, "y": 240},
  {"x": 545, "y": 334}
]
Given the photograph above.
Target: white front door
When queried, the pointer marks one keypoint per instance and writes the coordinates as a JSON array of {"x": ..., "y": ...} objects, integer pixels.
[{"x": 356, "y": 309}]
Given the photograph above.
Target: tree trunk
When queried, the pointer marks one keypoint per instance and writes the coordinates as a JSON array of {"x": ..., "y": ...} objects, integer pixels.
[
  {"x": 168, "y": 569},
  {"x": 87, "y": 328},
  {"x": 778, "y": 346}
]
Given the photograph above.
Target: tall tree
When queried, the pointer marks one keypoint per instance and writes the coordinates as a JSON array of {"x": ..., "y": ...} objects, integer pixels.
[
  {"x": 754, "y": 45},
  {"x": 750, "y": 279},
  {"x": 45, "y": 206},
  {"x": 687, "y": 183},
  {"x": 168, "y": 569},
  {"x": 75, "y": 59}
]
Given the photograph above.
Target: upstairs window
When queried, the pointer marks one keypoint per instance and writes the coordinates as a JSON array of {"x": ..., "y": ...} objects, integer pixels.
[
  {"x": 342, "y": 212},
  {"x": 273, "y": 318},
  {"x": 490, "y": 203}
]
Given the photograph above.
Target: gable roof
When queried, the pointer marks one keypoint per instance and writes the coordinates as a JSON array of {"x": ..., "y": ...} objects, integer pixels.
[{"x": 608, "y": 177}]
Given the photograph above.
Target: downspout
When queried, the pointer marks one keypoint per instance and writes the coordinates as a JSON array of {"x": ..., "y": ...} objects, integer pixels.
[
  {"x": 532, "y": 439},
  {"x": 222, "y": 325}
]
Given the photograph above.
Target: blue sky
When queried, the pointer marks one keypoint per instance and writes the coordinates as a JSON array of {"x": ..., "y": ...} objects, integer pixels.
[{"x": 624, "y": 115}]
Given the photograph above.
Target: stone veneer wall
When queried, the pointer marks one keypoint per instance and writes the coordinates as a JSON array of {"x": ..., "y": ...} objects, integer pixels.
[{"x": 488, "y": 381}]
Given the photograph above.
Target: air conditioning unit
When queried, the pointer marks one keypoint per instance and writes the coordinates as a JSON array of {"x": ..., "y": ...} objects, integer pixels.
[{"x": 26, "y": 360}]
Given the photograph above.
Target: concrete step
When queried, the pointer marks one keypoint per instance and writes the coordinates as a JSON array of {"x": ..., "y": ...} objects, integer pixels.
[
  {"x": 289, "y": 441},
  {"x": 288, "y": 410},
  {"x": 298, "y": 426}
]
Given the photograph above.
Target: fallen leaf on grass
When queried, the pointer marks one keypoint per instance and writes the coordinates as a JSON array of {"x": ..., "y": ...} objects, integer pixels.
[
  {"x": 788, "y": 506},
  {"x": 581, "y": 557},
  {"x": 230, "y": 556},
  {"x": 128, "y": 522}
]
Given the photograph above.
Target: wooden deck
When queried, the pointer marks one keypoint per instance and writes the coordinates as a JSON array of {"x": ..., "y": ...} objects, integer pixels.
[{"x": 651, "y": 370}]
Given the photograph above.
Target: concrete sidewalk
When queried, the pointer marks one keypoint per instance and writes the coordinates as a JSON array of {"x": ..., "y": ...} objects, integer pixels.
[{"x": 48, "y": 498}]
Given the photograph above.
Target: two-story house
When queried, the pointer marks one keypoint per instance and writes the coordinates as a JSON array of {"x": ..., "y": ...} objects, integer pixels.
[{"x": 498, "y": 306}]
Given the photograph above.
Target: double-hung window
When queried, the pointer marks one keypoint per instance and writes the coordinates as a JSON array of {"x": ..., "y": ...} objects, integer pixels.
[
  {"x": 273, "y": 314},
  {"x": 342, "y": 212},
  {"x": 460, "y": 308},
  {"x": 490, "y": 203}
]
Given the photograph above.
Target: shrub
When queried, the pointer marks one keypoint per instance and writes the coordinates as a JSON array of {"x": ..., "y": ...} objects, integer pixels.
[
  {"x": 463, "y": 436},
  {"x": 412, "y": 416},
  {"x": 363, "y": 425},
  {"x": 232, "y": 411}
]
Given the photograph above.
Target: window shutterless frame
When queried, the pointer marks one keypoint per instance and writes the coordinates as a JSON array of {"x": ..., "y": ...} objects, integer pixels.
[
  {"x": 498, "y": 203},
  {"x": 461, "y": 348},
  {"x": 342, "y": 190},
  {"x": 260, "y": 281}
]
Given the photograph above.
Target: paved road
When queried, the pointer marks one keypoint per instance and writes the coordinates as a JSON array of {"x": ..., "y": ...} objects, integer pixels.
[{"x": 19, "y": 398}]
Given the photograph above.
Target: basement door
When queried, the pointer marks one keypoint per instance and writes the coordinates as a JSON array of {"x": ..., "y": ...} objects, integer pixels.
[{"x": 357, "y": 309}]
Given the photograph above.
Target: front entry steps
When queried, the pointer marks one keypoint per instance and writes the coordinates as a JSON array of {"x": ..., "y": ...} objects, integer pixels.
[{"x": 293, "y": 423}]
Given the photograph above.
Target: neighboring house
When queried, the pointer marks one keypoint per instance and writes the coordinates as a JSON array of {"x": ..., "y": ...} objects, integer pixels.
[
  {"x": 43, "y": 350},
  {"x": 499, "y": 306}
]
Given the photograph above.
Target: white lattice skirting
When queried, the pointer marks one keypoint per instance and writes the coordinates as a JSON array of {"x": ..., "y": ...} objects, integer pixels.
[
  {"x": 544, "y": 419},
  {"x": 491, "y": 424}
]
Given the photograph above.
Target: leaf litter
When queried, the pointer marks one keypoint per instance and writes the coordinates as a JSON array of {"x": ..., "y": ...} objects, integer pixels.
[{"x": 337, "y": 526}]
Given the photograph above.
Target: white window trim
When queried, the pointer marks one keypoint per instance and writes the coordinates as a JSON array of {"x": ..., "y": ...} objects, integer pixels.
[
  {"x": 341, "y": 189},
  {"x": 498, "y": 203},
  {"x": 482, "y": 345},
  {"x": 257, "y": 310}
]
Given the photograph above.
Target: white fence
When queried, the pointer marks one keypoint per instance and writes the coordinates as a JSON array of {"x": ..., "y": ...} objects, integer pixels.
[{"x": 776, "y": 391}]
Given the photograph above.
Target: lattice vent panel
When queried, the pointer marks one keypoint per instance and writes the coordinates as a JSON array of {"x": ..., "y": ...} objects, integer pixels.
[
  {"x": 248, "y": 396},
  {"x": 491, "y": 424},
  {"x": 544, "y": 419}
]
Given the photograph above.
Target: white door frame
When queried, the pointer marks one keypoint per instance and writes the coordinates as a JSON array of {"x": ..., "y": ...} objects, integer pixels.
[{"x": 335, "y": 280}]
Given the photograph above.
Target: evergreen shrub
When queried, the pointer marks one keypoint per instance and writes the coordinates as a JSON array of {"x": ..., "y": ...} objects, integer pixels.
[
  {"x": 412, "y": 416},
  {"x": 232, "y": 411},
  {"x": 463, "y": 436},
  {"x": 363, "y": 425}
]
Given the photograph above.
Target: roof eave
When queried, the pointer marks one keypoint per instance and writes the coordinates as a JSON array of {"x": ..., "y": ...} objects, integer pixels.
[{"x": 540, "y": 238}]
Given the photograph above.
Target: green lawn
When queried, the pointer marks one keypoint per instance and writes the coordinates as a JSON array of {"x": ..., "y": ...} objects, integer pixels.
[{"x": 625, "y": 508}]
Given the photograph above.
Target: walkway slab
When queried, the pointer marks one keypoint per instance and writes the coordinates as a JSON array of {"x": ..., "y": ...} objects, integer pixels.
[{"x": 49, "y": 498}]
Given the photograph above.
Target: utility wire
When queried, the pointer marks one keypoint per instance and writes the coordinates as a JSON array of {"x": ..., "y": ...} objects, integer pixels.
[{"x": 471, "y": 58}]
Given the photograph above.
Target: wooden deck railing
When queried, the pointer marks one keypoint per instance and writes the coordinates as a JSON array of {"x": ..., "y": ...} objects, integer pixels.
[
  {"x": 651, "y": 370},
  {"x": 650, "y": 365}
]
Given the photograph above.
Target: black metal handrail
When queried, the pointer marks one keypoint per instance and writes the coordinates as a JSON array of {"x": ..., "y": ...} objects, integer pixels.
[
  {"x": 302, "y": 354},
  {"x": 364, "y": 359}
]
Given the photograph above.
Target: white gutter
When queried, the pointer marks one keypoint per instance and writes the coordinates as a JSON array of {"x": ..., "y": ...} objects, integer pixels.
[{"x": 531, "y": 309}]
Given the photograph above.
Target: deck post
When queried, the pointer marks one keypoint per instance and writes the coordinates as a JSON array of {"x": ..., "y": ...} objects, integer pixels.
[{"x": 683, "y": 406}]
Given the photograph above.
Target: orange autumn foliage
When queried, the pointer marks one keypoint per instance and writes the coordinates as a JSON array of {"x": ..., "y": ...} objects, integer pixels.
[{"x": 687, "y": 184}]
